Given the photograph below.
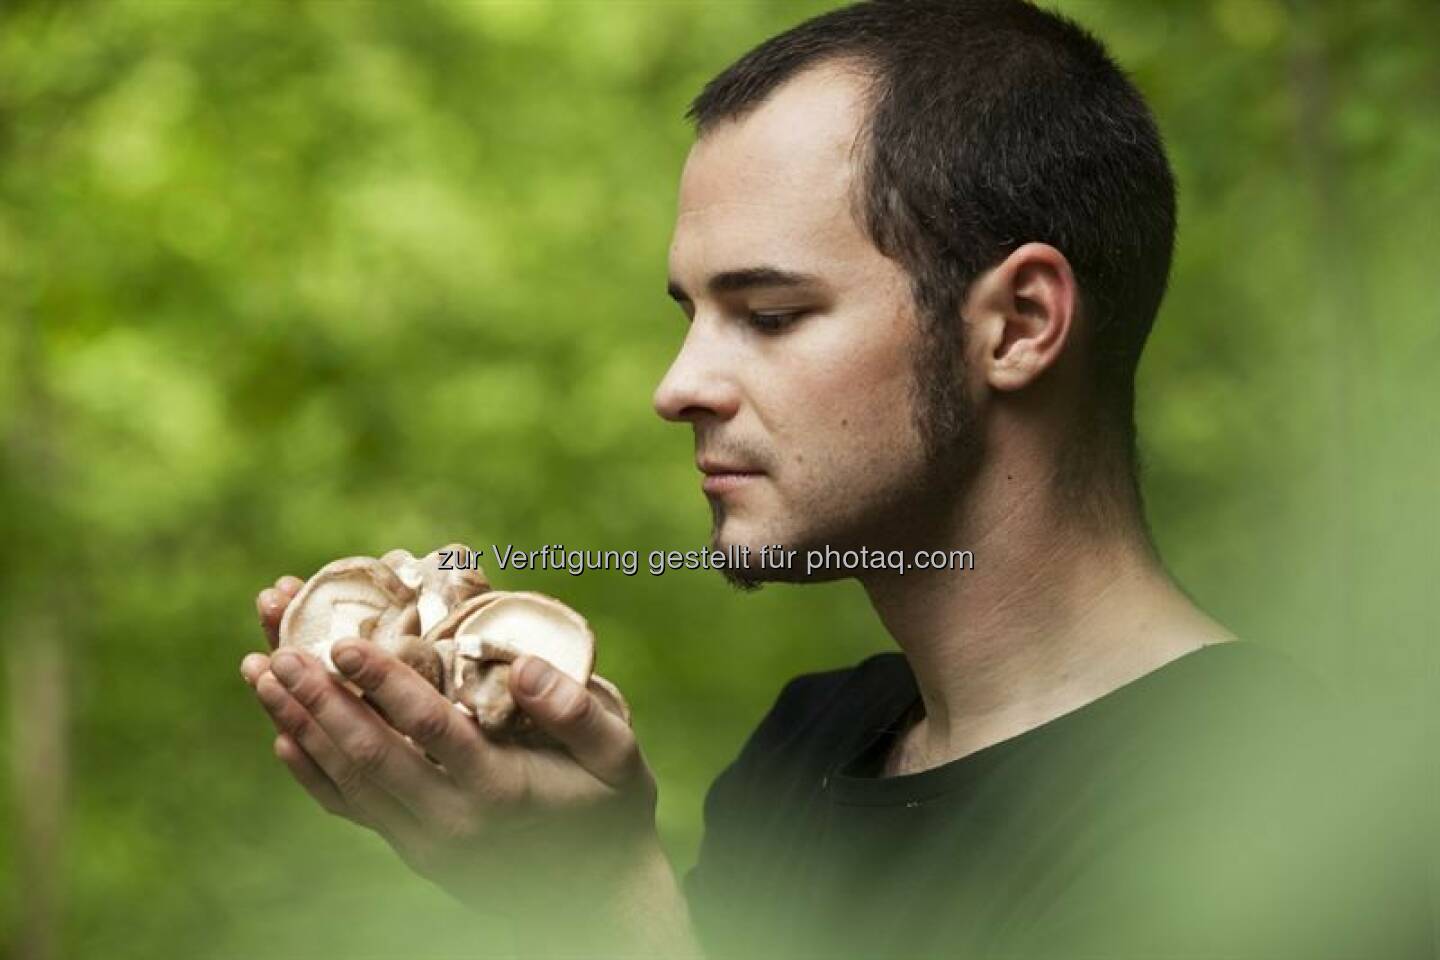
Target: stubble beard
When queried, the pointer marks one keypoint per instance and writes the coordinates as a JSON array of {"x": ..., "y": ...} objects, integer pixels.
[{"x": 945, "y": 421}]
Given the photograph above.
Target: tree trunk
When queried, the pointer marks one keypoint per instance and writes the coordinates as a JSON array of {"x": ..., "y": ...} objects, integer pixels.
[{"x": 36, "y": 687}]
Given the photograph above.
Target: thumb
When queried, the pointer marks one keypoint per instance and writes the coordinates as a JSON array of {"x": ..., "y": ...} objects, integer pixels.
[{"x": 600, "y": 741}]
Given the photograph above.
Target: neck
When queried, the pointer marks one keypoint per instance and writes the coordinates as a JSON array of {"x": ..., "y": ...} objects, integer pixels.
[{"x": 1046, "y": 622}]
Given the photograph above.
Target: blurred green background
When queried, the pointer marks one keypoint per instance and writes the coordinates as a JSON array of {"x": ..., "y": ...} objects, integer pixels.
[{"x": 285, "y": 282}]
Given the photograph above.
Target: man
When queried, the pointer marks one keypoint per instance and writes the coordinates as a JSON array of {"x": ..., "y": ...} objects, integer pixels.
[{"x": 920, "y": 246}]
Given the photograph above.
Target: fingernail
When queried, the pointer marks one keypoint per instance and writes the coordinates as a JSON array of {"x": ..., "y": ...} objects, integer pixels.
[
  {"x": 251, "y": 667},
  {"x": 536, "y": 676},
  {"x": 286, "y": 667},
  {"x": 347, "y": 659}
]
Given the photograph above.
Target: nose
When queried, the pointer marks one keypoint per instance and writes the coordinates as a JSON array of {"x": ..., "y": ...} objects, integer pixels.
[{"x": 699, "y": 383}]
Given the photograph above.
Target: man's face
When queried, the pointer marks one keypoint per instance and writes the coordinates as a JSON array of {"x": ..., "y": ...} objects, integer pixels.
[{"x": 798, "y": 370}]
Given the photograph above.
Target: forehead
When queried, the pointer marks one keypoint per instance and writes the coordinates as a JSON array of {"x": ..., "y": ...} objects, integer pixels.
[{"x": 776, "y": 185}]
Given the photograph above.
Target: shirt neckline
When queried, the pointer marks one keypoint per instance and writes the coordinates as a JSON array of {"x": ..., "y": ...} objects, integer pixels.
[{"x": 857, "y": 781}]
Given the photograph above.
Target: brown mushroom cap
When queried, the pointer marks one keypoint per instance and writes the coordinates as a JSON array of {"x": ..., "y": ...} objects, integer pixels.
[{"x": 352, "y": 597}]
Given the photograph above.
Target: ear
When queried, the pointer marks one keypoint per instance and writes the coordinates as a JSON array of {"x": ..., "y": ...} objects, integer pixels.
[{"x": 1021, "y": 315}]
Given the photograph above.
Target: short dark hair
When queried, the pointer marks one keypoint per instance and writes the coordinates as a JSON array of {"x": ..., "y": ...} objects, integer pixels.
[{"x": 993, "y": 123}]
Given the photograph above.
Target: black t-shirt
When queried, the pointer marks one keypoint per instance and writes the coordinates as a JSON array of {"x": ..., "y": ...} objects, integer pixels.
[{"x": 1201, "y": 810}]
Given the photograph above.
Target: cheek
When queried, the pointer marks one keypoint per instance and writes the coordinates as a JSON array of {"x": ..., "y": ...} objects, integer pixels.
[{"x": 859, "y": 429}]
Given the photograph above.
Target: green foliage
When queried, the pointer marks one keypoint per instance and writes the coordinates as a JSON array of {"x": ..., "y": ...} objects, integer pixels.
[{"x": 286, "y": 282}]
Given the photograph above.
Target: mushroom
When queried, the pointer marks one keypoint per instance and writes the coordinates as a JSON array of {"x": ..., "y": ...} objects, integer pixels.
[
  {"x": 443, "y": 579},
  {"x": 421, "y": 656},
  {"x": 437, "y": 614},
  {"x": 353, "y": 597},
  {"x": 496, "y": 629},
  {"x": 445, "y": 629}
]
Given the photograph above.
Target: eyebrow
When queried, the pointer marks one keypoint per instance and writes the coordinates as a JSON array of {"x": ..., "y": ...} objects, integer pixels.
[{"x": 734, "y": 281}]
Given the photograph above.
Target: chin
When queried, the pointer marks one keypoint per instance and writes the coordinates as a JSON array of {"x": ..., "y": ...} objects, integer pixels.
[
  {"x": 728, "y": 534},
  {"x": 734, "y": 532}
]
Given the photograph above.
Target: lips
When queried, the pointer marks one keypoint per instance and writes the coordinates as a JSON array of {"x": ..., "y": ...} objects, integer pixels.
[
  {"x": 710, "y": 467},
  {"x": 722, "y": 477}
]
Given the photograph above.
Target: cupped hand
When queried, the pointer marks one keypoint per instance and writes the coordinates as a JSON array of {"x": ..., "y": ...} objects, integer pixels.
[{"x": 488, "y": 821}]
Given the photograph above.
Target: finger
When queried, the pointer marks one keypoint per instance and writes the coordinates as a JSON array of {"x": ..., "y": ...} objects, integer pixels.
[
  {"x": 309, "y": 775},
  {"x": 270, "y": 604},
  {"x": 367, "y": 750},
  {"x": 414, "y": 707},
  {"x": 599, "y": 740},
  {"x": 291, "y": 718},
  {"x": 397, "y": 827},
  {"x": 253, "y": 666},
  {"x": 289, "y": 585},
  {"x": 373, "y": 806}
]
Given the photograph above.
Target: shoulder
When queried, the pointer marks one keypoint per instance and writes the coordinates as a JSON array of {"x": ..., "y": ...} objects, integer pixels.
[
  {"x": 1250, "y": 693},
  {"x": 1227, "y": 690},
  {"x": 1194, "y": 813},
  {"x": 1224, "y": 814},
  {"x": 1210, "y": 728}
]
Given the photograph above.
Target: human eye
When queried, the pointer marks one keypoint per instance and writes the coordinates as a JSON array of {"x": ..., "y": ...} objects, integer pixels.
[{"x": 773, "y": 322}]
